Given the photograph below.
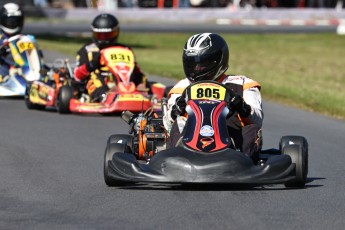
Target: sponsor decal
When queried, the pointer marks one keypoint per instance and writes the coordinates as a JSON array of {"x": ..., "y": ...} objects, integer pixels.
[
  {"x": 192, "y": 52},
  {"x": 239, "y": 80},
  {"x": 206, "y": 131},
  {"x": 90, "y": 106},
  {"x": 207, "y": 102},
  {"x": 206, "y": 141},
  {"x": 131, "y": 97},
  {"x": 22, "y": 46}
]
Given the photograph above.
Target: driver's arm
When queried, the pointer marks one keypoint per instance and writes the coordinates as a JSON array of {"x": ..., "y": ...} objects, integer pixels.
[
  {"x": 252, "y": 97},
  {"x": 174, "y": 93},
  {"x": 87, "y": 62},
  {"x": 167, "y": 118}
]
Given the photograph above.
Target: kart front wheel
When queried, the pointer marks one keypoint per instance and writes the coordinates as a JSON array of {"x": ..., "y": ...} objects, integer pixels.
[
  {"x": 110, "y": 150},
  {"x": 64, "y": 96},
  {"x": 298, "y": 140},
  {"x": 125, "y": 139},
  {"x": 299, "y": 157}
]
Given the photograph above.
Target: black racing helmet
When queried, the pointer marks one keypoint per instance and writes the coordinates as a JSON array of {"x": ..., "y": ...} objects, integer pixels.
[
  {"x": 205, "y": 57},
  {"x": 105, "y": 28},
  {"x": 11, "y": 19}
]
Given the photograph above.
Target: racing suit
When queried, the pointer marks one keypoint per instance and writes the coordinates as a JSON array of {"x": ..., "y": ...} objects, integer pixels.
[
  {"x": 7, "y": 62},
  {"x": 4, "y": 60},
  {"x": 96, "y": 85},
  {"x": 244, "y": 131}
]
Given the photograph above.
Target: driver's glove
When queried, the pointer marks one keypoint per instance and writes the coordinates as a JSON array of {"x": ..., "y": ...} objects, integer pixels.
[
  {"x": 178, "y": 108},
  {"x": 239, "y": 105},
  {"x": 94, "y": 64}
]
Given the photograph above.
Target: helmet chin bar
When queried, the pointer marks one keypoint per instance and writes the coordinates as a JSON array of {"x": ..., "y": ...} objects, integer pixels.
[{"x": 11, "y": 32}]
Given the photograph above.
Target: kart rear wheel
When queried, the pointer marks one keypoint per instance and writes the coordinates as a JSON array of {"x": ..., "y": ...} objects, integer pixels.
[
  {"x": 299, "y": 157},
  {"x": 108, "y": 156},
  {"x": 27, "y": 101},
  {"x": 64, "y": 96},
  {"x": 125, "y": 139}
]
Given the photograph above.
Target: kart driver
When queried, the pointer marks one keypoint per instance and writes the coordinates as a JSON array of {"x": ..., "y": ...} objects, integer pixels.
[
  {"x": 11, "y": 24},
  {"x": 205, "y": 57},
  {"x": 105, "y": 28}
]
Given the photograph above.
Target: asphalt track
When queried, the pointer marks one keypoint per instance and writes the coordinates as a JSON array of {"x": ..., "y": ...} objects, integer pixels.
[{"x": 51, "y": 178}]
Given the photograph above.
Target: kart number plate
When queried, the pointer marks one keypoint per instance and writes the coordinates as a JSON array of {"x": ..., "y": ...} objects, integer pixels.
[
  {"x": 115, "y": 56},
  {"x": 120, "y": 61},
  {"x": 22, "y": 46},
  {"x": 208, "y": 91}
]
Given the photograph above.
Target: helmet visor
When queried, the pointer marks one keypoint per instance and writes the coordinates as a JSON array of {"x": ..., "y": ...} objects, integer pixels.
[
  {"x": 13, "y": 22},
  {"x": 196, "y": 67},
  {"x": 105, "y": 36}
]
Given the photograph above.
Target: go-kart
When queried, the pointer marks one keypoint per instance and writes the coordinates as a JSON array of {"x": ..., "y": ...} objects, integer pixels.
[
  {"x": 23, "y": 64},
  {"x": 51, "y": 90},
  {"x": 205, "y": 154},
  {"x": 69, "y": 96}
]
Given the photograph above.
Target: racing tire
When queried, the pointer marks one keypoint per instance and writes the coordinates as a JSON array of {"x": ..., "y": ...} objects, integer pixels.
[
  {"x": 110, "y": 150},
  {"x": 125, "y": 139},
  {"x": 299, "y": 157},
  {"x": 298, "y": 140},
  {"x": 64, "y": 96},
  {"x": 303, "y": 143},
  {"x": 27, "y": 101}
]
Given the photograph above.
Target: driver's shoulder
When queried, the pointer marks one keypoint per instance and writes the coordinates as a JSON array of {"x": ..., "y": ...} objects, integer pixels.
[
  {"x": 237, "y": 79},
  {"x": 90, "y": 47},
  {"x": 180, "y": 86}
]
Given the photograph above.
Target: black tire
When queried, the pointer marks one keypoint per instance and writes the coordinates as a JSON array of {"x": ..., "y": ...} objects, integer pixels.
[
  {"x": 27, "y": 101},
  {"x": 298, "y": 140},
  {"x": 108, "y": 156},
  {"x": 303, "y": 143},
  {"x": 64, "y": 96},
  {"x": 125, "y": 139},
  {"x": 299, "y": 157}
]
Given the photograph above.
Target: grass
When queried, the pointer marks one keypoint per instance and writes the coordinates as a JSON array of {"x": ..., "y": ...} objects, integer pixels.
[{"x": 303, "y": 70}]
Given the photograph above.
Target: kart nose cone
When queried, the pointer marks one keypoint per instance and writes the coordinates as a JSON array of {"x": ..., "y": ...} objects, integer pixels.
[{"x": 179, "y": 169}]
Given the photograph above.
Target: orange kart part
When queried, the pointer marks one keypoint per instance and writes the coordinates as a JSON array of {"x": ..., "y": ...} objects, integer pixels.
[
  {"x": 142, "y": 141},
  {"x": 150, "y": 138}
]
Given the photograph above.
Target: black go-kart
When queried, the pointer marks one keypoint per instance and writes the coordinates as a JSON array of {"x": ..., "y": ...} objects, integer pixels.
[{"x": 205, "y": 153}]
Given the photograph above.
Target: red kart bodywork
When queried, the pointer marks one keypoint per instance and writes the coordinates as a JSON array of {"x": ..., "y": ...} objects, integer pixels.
[{"x": 125, "y": 97}]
